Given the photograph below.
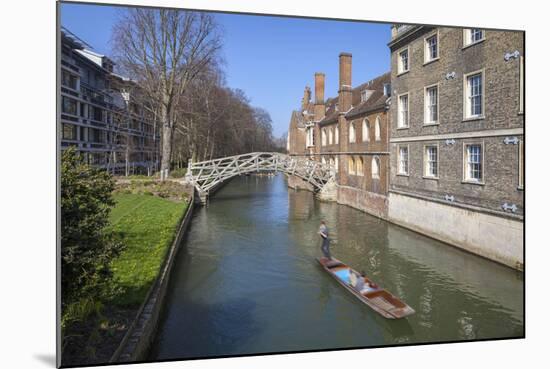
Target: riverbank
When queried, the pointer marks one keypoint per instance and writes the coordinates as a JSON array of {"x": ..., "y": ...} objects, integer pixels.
[{"x": 146, "y": 218}]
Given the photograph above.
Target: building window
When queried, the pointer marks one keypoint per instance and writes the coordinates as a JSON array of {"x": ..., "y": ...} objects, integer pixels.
[
  {"x": 473, "y": 95},
  {"x": 377, "y": 129},
  {"x": 351, "y": 165},
  {"x": 403, "y": 111},
  {"x": 69, "y": 131},
  {"x": 521, "y": 155},
  {"x": 68, "y": 79},
  {"x": 431, "y": 103},
  {"x": 324, "y": 137},
  {"x": 336, "y": 134},
  {"x": 403, "y": 61},
  {"x": 331, "y": 162},
  {"x": 403, "y": 160},
  {"x": 375, "y": 167},
  {"x": 309, "y": 137},
  {"x": 365, "y": 130},
  {"x": 473, "y": 36},
  {"x": 431, "y": 50},
  {"x": 324, "y": 161},
  {"x": 336, "y": 163},
  {"x": 68, "y": 105},
  {"x": 431, "y": 162},
  {"x": 365, "y": 94},
  {"x": 330, "y": 135},
  {"x": 352, "y": 133},
  {"x": 473, "y": 170},
  {"x": 521, "y": 85},
  {"x": 97, "y": 114},
  {"x": 359, "y": 163}
]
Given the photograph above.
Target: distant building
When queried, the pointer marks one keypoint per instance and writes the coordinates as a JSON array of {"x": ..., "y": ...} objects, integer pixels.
[
  {"x": 101, "y": 113},
  {"x": 350, "y": 133},
  {"x": 457, "y": 137}
]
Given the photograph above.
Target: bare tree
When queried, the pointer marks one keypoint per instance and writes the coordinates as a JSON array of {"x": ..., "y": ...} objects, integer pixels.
[{"x": 164, "y": 50}]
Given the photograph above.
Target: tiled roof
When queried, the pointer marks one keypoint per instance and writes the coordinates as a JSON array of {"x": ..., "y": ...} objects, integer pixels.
[{"x": 375, "y": 101}]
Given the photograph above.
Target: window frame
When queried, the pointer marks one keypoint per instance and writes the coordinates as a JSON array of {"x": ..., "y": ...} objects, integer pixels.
[
  {"x": 399, "y": 173},
  {"x": 359, "y": 164},
  {"x": 465, "y": 101},
  {"x": 467, "y": 35},
  {"x": 350, "y": 129},
  {"x": 399, "y": 110},
  {"x": 365, "y": 128},
  {"x": 375, "y": 159},
  {"x": 400, "y": 70},
  {"x": 425, "y": 161},
  {"x": 427, "y": 54},
  {"x": 324, "y": 136},
  {"x": 351, "y": 166},
  {"x": 330, "y": 136},
  {"x": 465, "y": 169},
  {"x": 426, "y": 122}
]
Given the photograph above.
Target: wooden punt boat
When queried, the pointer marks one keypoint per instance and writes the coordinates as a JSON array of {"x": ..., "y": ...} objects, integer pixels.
[{"x": 379, "y": 299}]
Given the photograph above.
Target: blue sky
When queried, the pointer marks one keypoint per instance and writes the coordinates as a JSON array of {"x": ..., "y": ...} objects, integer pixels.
[{"x": 270, "y": 58}]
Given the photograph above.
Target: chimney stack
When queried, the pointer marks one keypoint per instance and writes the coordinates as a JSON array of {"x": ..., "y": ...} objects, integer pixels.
[
  {"x": 307, "y": 98},
  {"x": 319, "y": 109},
  {"x": 344, "y": 92}
]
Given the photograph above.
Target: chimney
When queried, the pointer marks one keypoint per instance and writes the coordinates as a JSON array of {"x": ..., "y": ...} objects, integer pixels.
[
  {"x": 344, "y": 91},
  {"x": 319, "y": 109},
  {"x": 307, "y": 98}
]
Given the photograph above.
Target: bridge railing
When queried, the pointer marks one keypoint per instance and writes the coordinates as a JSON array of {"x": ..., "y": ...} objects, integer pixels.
[{"x": 206, "y": 174}]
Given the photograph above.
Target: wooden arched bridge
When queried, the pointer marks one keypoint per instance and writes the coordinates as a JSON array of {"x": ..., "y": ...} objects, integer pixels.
[{"x": 205, "y": 175}]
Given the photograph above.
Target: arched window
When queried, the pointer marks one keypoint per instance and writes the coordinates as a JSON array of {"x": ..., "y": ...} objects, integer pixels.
[
  {"x": 375, "y": 167},
  {"x": 324, "y": 137},
  {"x": 331, "y": 162},
  {"x": 377, "y": 129},
  {"x": 359, "y": 163},
  {"x": 366, "y": 130},
  {"x": 336, "y": 163},
  {"x": 352, "y": 133},
  {"x": 323, "y": 160},
  {"x": 336, "y": 138},
  {"x": 351, "y": 165},
  {"x": 330, "y": 135}
]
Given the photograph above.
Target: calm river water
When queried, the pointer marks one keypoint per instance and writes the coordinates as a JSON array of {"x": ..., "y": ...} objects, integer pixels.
[{"x": 246, "y": 280}]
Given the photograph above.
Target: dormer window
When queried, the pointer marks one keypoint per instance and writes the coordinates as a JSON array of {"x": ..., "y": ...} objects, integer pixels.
[{"x": 365, "y": 94}]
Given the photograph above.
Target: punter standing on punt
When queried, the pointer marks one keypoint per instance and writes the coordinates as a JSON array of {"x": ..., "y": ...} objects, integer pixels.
[{"x": 323, "y": 231}]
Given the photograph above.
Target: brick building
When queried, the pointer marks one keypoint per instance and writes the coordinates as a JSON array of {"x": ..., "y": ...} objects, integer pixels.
[
  {"x": 350, "y": 133},
  {"x": 101, "y": 114},
  {"x": 457, "y": 137}
]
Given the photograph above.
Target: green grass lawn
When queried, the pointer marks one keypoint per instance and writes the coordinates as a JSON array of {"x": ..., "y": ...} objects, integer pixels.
[{"x": 147, "y": 225}]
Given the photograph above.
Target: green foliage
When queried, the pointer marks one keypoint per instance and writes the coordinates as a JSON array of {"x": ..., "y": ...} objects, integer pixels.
[
  {"x": 178, "y": 173},
  {"x": 148, "y": 225},
  {"x": 87, "y": 247},
  {"x": 79, "y": 311}
]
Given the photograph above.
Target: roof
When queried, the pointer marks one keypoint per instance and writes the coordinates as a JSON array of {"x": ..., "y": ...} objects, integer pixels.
[{"x": 375, "y": 101}]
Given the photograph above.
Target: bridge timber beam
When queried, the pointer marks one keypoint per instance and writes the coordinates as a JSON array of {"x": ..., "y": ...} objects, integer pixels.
[{"x": 206, "y": 175}]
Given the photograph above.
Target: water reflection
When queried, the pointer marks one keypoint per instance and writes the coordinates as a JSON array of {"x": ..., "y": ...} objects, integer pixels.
[{"x": 246, "y": 280}]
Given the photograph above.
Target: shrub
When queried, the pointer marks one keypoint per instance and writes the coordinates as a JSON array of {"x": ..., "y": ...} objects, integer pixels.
[
  {"x": 87, "y": 248},
  {"x": 178, "y": 173}
]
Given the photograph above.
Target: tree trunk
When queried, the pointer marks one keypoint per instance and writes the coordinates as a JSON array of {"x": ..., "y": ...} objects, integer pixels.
[{"x": 166, "y": 143}]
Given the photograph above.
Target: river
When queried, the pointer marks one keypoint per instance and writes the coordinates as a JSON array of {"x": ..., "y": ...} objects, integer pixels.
[{"x": 246, "y": 281}]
